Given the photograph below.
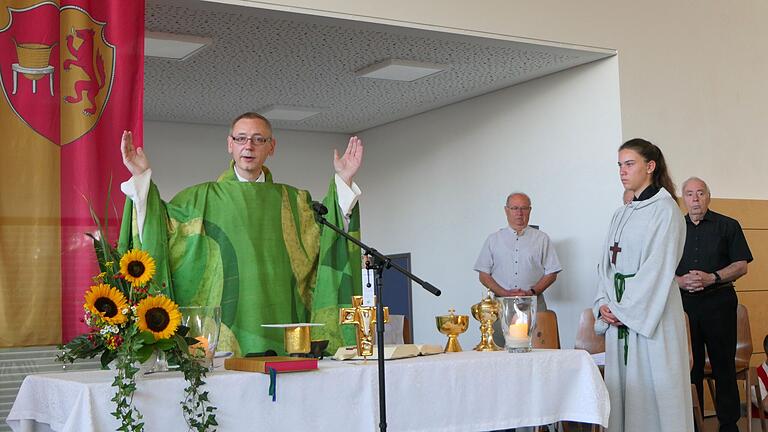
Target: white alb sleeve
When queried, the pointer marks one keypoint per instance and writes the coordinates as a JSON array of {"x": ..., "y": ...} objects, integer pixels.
[
  {"x": 136, "y": 189},
  {"x": 347, "y": 196}
]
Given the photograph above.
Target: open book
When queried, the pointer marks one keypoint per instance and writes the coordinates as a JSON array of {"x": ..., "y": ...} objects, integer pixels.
[{"x": 391, "y": 352}]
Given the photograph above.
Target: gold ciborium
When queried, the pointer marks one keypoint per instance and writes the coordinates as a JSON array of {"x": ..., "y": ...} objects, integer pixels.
[
  {"x": 296, "y": 337},
  {"x": 487, "y": 312},
  {"x": 452, "y": 325},
  {"x": 297, "y": 340}
]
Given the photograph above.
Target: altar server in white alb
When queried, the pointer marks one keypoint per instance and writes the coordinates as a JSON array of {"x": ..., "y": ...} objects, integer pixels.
[{"x": 638, "y": 304}]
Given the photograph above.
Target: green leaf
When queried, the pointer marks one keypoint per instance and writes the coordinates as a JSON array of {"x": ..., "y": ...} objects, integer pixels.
[
  {"x": 182, "y": 330},
  {"x": 143, "y": 353},
  {"x": 106, "y": 358},
  {"x": 181, "y": 344},
  {"x": 165, "y": 344},
  {"x": 146, "y": 337}
]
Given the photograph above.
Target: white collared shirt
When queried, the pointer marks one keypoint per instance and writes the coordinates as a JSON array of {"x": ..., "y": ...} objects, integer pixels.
[{"x": 518, "y": 261}]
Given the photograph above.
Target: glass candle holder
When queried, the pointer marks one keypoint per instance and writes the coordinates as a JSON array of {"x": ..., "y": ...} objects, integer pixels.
[
  {"x": 518, "y": 318},
  {"x": 204, "y": 323}
]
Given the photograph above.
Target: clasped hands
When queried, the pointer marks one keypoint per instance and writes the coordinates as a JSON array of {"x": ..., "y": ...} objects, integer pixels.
[
  {"x": 518, "y": 292},
  {"x": 608, "y": 316},
  {"x": 695, "y": 280}
]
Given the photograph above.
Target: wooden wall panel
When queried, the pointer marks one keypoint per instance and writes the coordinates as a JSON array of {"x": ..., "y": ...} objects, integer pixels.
[
  {"x": 753, "y": 217},
  {"x": 757, "y": 359},
  {"x": 756, "y": 278},
  {"x": 751, "y": 214}
]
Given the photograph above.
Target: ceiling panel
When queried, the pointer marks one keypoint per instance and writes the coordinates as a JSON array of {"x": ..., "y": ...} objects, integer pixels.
[{"x": 261, "y": 58}]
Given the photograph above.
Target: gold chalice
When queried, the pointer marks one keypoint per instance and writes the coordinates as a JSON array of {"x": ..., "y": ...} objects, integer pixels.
[
  {"x": 452, "y": 325},
  {"x": 487, "y": 311}
]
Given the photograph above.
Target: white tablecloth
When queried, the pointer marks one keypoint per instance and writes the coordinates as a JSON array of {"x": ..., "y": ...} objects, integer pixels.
[{"x": 468, "y": 391}]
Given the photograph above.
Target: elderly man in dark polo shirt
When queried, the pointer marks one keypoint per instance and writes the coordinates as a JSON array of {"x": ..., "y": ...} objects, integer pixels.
[{"x": 715, "y": 255}]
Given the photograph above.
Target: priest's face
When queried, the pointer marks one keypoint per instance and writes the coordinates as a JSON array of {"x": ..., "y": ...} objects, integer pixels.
[
  {"x": 518, "y": 210},
  {"x": 696, "y": 197},
  {"x": 258, "y": 144},
  {"x": 635, "y": 173}
]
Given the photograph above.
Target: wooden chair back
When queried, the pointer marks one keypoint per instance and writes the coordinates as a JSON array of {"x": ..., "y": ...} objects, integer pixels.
[
  {"x": 586, "y": 338},
  {"x": 743, "y": 342},
  {"x": 545, "y": 334},
  {"x": 743, "y": 338}
]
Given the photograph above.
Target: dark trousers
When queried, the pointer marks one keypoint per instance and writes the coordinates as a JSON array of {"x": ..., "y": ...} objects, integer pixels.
[{"x": 712, "y": 317}]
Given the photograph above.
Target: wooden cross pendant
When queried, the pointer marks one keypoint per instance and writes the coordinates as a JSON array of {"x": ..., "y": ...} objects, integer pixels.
[
  {"x": 615, "y": 249},
  {"x": 364, "y": 318}
]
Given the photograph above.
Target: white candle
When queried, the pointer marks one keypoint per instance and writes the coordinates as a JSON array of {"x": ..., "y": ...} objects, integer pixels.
[{"x": 518, "y": 332}]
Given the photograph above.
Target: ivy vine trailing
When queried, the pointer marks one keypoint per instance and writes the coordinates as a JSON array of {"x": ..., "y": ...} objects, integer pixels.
[
  {"x": 125, "y": 382},
  {"x": 199, "y": 413}
]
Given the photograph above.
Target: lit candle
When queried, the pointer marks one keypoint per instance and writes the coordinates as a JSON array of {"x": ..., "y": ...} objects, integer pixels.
[
  {"x": 518, "y": 331},
  {"x": 200, "y": 349}
]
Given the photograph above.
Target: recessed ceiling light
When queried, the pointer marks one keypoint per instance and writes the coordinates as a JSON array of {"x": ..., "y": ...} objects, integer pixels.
[
  {"x": 290, "y": 113},
  {"x": 400, "y": 70},
  {"x": 173, "y": 46}
]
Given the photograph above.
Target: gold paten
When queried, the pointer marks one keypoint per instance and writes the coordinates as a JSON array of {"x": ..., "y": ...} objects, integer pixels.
[
  {"x": 452, "y": 325},
  {"x": 487, "y": 312},
  {"x": 297, "y": 340},
  {"x": 364, "y": 318}
]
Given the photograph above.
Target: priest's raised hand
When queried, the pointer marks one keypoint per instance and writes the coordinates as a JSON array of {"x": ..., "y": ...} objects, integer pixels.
[
  {"x": 133, "y": 157},
  {"x": 347, "y": 165}
]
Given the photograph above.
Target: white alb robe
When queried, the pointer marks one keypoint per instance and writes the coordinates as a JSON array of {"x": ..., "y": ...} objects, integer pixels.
[{"x": 653, "y": 391}]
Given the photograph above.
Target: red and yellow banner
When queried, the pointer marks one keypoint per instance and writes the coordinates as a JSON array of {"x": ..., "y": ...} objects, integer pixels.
[{"x": 71, "y": 74}]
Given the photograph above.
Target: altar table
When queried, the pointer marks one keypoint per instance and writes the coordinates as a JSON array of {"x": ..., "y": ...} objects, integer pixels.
[{"x": 467, "y": 391}]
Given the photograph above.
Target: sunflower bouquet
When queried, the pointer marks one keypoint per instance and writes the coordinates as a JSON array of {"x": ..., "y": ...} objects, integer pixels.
[{"x": 129, "y": 319}]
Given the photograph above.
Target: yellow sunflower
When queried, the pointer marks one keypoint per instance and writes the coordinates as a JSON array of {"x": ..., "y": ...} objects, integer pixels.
[
  {"x": 107, "y": 302},
  {"x": 137, "y": 267},
  {"x": 158, "y": 315}
]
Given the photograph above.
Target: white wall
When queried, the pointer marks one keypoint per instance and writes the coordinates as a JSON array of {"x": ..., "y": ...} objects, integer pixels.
[
  {"x": 435, "y": 185},
  {"x": 184, "y": 154}
]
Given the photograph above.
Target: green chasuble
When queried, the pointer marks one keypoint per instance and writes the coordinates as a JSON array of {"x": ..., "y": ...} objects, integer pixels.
[{"x": 256, "y": 250}]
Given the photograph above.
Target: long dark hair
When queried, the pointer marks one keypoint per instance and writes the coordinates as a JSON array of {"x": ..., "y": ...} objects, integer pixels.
[{"x": 650, "y": 152}]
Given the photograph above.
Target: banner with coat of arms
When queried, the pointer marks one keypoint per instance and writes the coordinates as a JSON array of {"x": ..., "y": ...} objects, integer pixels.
[{"x": 71, "y": 77}]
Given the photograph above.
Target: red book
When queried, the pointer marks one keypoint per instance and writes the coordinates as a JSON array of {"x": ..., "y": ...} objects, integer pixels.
[{"x": 263, "y": 364}]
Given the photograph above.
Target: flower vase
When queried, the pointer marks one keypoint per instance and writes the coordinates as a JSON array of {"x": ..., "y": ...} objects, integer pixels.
[
  {"x": 204, "y": 323},
  {"x": 157, "y": 362}
]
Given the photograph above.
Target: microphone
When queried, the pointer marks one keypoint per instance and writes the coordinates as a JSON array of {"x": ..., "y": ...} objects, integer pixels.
[{"x": 319, "y": 208}]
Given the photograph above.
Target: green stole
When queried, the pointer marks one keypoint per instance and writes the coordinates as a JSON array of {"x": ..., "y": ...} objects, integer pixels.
[
  {"x": 256, "y": 250},
  {"x": 618, "y": 285}
]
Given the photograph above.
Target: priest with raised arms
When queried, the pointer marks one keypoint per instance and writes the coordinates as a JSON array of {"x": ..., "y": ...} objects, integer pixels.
[
  {"x": 638, "y": 305},
  {"x": 248, "y": 244}
]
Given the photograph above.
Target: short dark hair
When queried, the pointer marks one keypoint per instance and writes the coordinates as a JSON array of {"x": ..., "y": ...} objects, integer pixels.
[
  {"x": 251, "y": 116},
  {"x": 765, "y": 345}
]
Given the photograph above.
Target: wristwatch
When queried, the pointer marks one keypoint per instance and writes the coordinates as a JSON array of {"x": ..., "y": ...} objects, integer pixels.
[{"x": 717, "y": 277}]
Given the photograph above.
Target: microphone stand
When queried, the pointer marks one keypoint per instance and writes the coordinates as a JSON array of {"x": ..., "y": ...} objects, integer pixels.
[{"x": 380, "y": 262}]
